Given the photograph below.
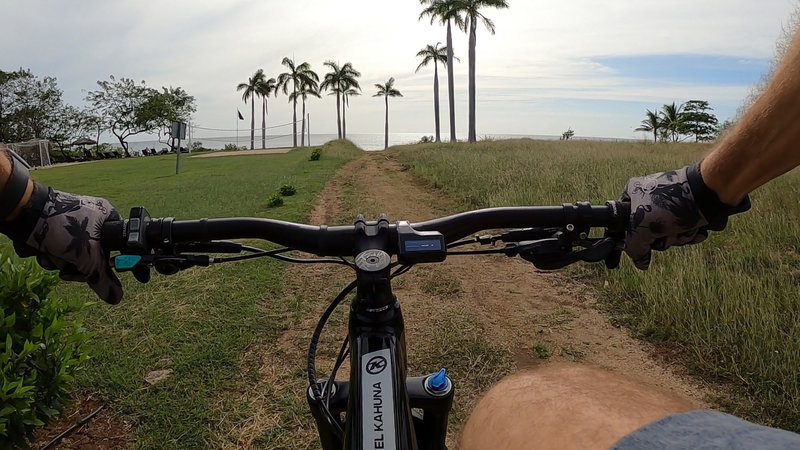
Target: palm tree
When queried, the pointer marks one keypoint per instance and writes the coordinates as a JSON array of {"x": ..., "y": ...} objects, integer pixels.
[
  {"x": 672, "y": 120},
  {"x": 297, "y": 75},
  {"x": 437, "y": 55},
  {"x": 346, "y": 94},
  {"x": 447, "y": 12},
  {"x": 250, "y": 93},
  {"x": 387, "y": 90},
  {"x": 339, "y": 80},
  {"x": 264, "y": 89},
  {"x": 472, "y": 14},
  {"x": 307, "y": 87},
  {"x": 651, "y": 123}
]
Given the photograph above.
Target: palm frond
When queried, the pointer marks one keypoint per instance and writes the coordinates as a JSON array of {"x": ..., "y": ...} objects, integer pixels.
[
  {"x": 424, "y": 63},
  {"x": 487, "y": 22}
]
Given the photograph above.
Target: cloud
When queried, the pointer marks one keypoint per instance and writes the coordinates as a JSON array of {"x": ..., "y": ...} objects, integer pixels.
[{"x": 613, "y": 56}]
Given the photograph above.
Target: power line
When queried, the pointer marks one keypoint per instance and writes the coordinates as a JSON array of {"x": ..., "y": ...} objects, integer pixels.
[
  {"x": 228, "y": 139},
  {"x": 223, "y": 129}
]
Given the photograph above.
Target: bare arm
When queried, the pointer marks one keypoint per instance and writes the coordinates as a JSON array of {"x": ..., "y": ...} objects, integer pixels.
[
  {"x": 5, "y": 172},
  {"x": 764, "y": 144}
]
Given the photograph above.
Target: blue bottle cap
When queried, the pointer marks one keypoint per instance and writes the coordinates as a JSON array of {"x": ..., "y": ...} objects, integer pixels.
[{"x": 438, "y": 382}]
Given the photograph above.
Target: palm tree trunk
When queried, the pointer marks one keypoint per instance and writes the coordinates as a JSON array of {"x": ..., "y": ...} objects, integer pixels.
[
  {"x": 303, "y": 128},
  {"x": 655, "y": 135},
  {"x": 386, "y": 133},
  {"x": 436, "y": 98},
  {"x": 294, "y": 119},
  {"x": 338, "y": 115},
  {"x": 252, "y": 121},
  {"x": 344, "y": 118},
  {"x": 473, "y": 25},
  {"x": 450, "y": 87},
  {"x": 263, "y": 122}
]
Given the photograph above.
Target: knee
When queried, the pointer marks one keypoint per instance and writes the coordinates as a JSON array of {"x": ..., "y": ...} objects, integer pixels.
[{"x": 565, "y": 406}]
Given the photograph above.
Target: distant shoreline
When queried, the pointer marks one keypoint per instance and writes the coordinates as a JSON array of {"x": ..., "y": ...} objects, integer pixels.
[{"x": 364, "y": 141}]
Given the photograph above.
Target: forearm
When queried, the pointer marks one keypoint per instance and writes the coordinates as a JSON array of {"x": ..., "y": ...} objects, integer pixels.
[
  {"x": 5, "y": 172},
  {"x": 764, "y": 144}
]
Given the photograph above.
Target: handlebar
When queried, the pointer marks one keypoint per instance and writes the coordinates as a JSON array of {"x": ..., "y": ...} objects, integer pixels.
[{"x": 140, "y": 233}]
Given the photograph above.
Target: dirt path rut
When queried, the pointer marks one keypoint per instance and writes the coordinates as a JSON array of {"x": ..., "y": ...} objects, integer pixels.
[{"x": 481, "y": 317}]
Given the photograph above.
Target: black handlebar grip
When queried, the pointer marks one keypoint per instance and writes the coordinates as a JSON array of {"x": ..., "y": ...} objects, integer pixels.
[{"x": 112, "y": 235}]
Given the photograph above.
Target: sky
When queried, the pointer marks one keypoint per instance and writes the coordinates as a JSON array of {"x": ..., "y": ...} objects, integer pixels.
[{"x": 590, "y": 65}]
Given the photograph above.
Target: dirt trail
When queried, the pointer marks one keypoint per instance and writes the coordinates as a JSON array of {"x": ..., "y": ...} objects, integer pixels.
[{"x": 494, "y": 304}]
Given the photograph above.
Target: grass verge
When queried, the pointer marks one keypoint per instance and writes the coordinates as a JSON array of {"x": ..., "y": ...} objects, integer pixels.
[
  {"x": 199, "y": 322},
  {"x": 730, "y": 306}
]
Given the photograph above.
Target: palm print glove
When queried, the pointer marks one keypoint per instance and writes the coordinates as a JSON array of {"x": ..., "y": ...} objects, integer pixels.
[
  {"x": 66, "y": 236},
  {"x": 672, "y": 208}
]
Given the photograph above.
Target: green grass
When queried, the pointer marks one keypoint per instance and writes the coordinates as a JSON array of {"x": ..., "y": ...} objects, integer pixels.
[
  {"x": 199, "y": 322},
  {"x": 731, "y": 305}
]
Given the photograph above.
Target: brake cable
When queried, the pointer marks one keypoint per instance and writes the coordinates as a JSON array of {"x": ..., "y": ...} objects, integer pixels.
[{"x": 318, "y": 393}]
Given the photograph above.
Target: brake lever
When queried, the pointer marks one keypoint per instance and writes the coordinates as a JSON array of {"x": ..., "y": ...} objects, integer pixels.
[
  {"x": 613, "y": 258},
  {"x": 556, "y": 253},
  {"x": 546, "y": 254}
]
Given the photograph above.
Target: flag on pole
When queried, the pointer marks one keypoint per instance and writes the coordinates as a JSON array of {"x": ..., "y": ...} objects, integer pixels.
[{"x": 241, "y": 117}]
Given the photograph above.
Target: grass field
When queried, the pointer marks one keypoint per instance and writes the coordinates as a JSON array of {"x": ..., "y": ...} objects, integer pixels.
[
  {"x": 730, "y": 308},
  {"x": 199, "y": 324}
]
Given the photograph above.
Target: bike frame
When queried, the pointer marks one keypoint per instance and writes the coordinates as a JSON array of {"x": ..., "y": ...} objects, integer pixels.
[{"x": 379, "y": 398}]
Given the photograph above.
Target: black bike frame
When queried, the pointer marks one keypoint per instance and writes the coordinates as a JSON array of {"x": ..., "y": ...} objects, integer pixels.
[
  {"x": 382, "y": 409},
  {"x": 380, "y": 397}
]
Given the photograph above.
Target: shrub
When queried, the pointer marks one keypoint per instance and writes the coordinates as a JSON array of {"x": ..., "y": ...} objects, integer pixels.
[
  {"x": 105, "y": 147},
  {"x": 40, "y": 348},
  {"x": 426, "y": 140},
  {"x": 274, "y": 200},
  {"x": 231, "y": 148},
  {"x": 315, "y": 155},
  {"x": 196, "y": 146},
  {"x": 287, "y": 190}
]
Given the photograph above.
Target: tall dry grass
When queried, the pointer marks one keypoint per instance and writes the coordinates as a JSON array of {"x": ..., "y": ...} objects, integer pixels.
[{"x": 731, "y": 305}]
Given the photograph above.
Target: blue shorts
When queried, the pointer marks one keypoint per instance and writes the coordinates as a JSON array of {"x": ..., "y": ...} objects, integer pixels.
[{"x": 707, "y": 430}]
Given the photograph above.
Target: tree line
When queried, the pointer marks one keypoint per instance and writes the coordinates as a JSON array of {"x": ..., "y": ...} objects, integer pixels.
[
  {"x": 673, "y": 122},
  {"x": 342, "y": 81},
  {"x": 300, "y": 82},
  {"x": 303, "y": 82},
  {"x": 33, "y": 108}
]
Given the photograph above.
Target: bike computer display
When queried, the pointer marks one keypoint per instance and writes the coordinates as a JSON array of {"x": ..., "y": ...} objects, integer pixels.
[{"x": 419, "y": 246}]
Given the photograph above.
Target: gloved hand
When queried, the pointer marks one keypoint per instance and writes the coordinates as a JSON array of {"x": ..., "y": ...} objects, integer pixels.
[
  {"x": 66, "y": 236},
  {"x": 672, "y": 208}
]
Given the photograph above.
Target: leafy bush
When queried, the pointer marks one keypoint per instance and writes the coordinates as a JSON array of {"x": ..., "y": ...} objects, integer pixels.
[
  {"x": 426, "y": 140},
  {"x": 40, "y": 348},
  {"x": 105, "y": 147},
  {"x": 231, "y": 148},
  {"x": 196, "y": 146},
  {"x": 315, "y": 155},
  {"x": 274, "y": 200},
  {"x": 287, "y": 190}
]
